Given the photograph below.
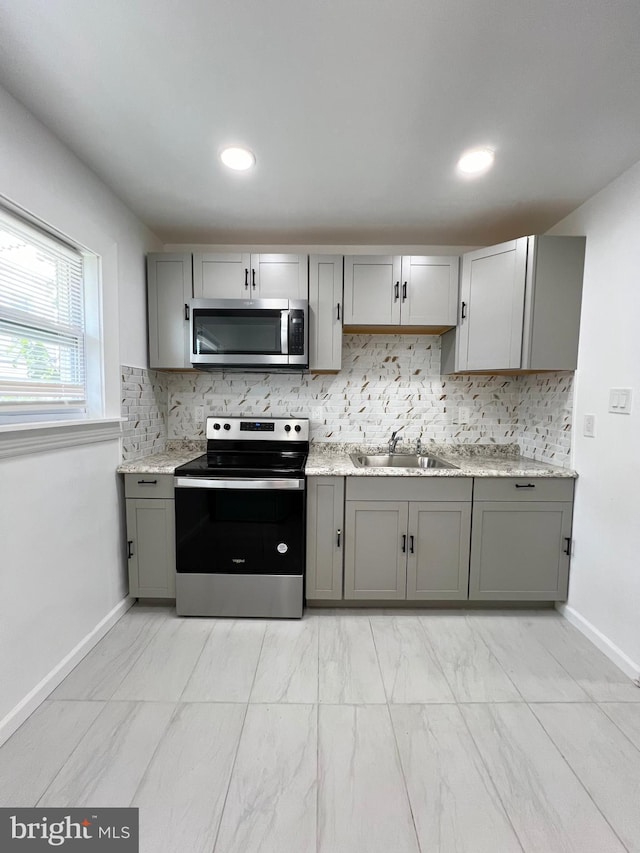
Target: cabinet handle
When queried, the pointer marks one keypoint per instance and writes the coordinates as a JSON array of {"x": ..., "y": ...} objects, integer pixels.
[
  {"x": 129, "y": 549},
  {"x": 396, "y": 290},
  {"x": 338, "y": 307},
  {"x": 186, "y": 311},
  {"x": 463, "y": 313},
  {"x": 246, "y": 279},
  {"x": 253, "y": 279},
  {"x": 404, "y": 291},
  {"x": 404, "y": 543},
  {"x": 525, "y": 485},
  {"x": 147, "y": 482},
  {"x": 338, "y": 537},
  {"x": 567, "y": 546},
  {"x": 411, "y": 551}
]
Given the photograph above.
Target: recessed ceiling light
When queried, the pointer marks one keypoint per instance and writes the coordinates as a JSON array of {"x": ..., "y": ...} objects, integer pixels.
[
  {"x": 476, "y": 161},
  {"x": 237, "y": 158}
]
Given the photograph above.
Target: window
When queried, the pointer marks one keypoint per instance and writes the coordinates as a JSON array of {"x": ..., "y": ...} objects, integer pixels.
[{"x": 43, "y": 348}]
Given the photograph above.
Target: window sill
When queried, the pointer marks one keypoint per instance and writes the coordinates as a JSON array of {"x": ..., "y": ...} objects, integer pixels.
[{"x": 22, "y": 439}]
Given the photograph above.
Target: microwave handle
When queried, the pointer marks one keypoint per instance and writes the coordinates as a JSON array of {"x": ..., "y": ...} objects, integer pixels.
[{"x": 284, "y": 332}]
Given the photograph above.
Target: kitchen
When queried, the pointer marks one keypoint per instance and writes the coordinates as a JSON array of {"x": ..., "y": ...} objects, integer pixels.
[{"x": 78, "y": 502}]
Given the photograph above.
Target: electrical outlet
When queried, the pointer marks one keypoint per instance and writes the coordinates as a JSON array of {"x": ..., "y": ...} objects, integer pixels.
[
  {"x": 589, "y": 426},
  {"x": 198, "y": 416},
  {"x": 317, "y": 413},
  {"x": 464, "y": 414}
]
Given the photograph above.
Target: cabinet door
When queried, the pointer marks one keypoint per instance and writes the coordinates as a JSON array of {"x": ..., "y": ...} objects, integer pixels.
[
  {"x": 429, "y": 295},
  {"x": 221, "y": 276},
  {"x": 438, "y": 550},
  {"x": 518, "y": 551},
  {"x": 325, "y": 312},
  {"x": 325, "y": 537},
  {"x": 280, "y": 276},
  {"x": 372, "y": 290},
  {"x": 492, "y": 306},
  {"x": 169, "y": 289},
  {"x": 375, "y": 549},
  {"x": 151, "y": 539}
]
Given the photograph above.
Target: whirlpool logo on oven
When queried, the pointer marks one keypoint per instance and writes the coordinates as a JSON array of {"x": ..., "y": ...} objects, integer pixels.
[{"x": 71, "y": 829}]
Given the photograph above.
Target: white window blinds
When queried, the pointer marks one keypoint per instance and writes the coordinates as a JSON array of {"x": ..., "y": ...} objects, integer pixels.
[{"x": 42, "y": 335}]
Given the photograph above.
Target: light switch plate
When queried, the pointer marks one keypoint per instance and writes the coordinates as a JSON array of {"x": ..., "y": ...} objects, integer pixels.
[
  {"x": 589, "y": 426},
  {"x": 620, "y": 401}
]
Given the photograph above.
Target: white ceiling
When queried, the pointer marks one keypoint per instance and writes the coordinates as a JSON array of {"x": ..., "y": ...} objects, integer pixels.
[{"x": 357, "y": 110}]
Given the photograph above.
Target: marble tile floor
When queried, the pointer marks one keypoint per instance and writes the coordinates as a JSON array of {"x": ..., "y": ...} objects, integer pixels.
[{"x": 346, "y": 732}]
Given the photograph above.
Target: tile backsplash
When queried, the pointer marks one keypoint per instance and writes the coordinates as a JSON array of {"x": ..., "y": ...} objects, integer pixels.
[
  {"x": 386, "y": 381},
  {"x": 143, "y": 402}
]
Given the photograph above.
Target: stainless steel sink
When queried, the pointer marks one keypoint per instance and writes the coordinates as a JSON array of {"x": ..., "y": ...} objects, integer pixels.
[{"x": 397, "y": 460}]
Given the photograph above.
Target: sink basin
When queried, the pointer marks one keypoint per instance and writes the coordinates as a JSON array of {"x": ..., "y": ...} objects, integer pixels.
[{"x": 397, "y": 460}]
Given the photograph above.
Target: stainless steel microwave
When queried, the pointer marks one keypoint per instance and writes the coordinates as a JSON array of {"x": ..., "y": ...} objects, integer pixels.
[{"x": 249, "y": 333}]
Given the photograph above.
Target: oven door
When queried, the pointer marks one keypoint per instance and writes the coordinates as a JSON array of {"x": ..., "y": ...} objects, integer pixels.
[{"x": 240, "y": 526}]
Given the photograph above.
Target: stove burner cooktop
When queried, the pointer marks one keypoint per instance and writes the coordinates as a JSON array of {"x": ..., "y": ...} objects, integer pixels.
[{"x": 238, "y": 447}]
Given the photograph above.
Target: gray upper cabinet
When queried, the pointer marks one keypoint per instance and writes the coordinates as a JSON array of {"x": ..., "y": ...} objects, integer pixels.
[
  {"x": 222, "y": 276},
  {"x": 519, "y": 307},
  {"x": 169, "y": 289},
  {"x": 395, "y": 290},
  {"x": 325, "y": 312},
  {"x": 521, "y": 540},
  {"x": 429, "y": 291},
  {"x": 247, "y": 276},
  {"x": 325, "y": 537}
]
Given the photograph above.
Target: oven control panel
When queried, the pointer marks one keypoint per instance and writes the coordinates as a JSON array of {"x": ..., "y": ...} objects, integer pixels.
[{"x": 258, "y": 429}]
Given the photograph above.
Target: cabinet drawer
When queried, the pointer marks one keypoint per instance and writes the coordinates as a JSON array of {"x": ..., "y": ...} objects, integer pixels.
[
  {"x": 148, "y": 485},
  {"x": 408, "y": 488},
  {"x": 523, "y": 489}
]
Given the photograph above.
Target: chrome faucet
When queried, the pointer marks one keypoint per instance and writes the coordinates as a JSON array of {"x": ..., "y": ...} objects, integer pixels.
[{"x": 393, "y": 441}]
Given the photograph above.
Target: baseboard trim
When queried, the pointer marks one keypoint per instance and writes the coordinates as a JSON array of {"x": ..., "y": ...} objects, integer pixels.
[
  {"x": 606, "y": 646},
  {"x": 16, "y": 717}
]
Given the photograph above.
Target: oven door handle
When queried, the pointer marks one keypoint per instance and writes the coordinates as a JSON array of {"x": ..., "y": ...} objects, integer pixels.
[{"x": 238, "y": 483}]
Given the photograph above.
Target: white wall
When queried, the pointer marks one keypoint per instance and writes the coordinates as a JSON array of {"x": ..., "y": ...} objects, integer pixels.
[
  {"x": 61, "y": 566},
  {"x": 604, "y": 595}
]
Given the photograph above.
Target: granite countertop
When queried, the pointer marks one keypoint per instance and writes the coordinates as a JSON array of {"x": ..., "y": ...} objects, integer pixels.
[
  {"x": 332, "y": 460},
  {"x": 471, "y": 460},
  {"x": 177, "y": 453}
]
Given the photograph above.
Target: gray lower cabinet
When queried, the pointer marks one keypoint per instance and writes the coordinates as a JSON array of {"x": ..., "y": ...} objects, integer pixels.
[
  {"x": 416, "y": 548},
  {"x": 521, "y": 540},
  {"x": 438, "y": 564},
  {"x": 376, "y": 549},
  {"x": 150, "y": 512},
  {"x": 325, "y": 538}
]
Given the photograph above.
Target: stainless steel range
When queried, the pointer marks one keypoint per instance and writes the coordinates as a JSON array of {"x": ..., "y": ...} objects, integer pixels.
[{"x": 240, "y": 520}]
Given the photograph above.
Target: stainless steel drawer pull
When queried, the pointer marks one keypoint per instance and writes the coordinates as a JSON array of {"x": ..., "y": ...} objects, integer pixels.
[
  {"x": 147, "y": 482},
  {"x": 525, "y": 485}
]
